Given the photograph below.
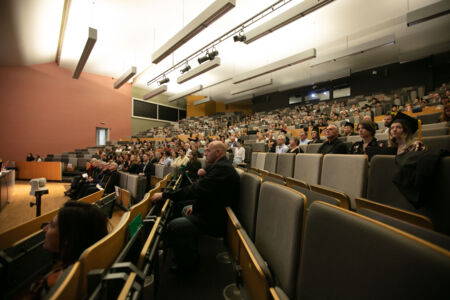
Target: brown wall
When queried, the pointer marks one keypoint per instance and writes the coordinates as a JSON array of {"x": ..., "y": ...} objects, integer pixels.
[
  {"x": 43, "y": 110},
  {"x": 210, "y": 108}
]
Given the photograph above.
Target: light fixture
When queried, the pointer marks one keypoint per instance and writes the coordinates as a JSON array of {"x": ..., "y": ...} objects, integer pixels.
[
  {"x": 92, "y": 38},
  {"x": 427, "y": 13},
  {"x": 359, "y": 49},
  {"x": 155, "y": 92},
  {"x": 199, "y": 70},
  {"x": 240, "y": 37},
  {"x": 185, "y": 93},
  {"x": 250, "y": 87},
  {"x": 202, "y": 101},
  {"x": 125, "y": 77},
  {"x": 213, "y": 54},
  {"x": 203, "y": 58},
  {"x": 164, "y": 80},
  {"x": 186, "y": 68},
  {"x": 213, "y": 12},
  {"x": 275, "y": 66},
  {"x": 285, "y": 18}
]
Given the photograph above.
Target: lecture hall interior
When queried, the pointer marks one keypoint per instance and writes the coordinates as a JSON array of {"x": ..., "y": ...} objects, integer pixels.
[{"x": 224, "y": 149}]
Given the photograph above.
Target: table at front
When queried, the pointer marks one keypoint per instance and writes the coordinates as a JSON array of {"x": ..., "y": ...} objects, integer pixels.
[
  {"x": 50, "y": 170},
  {"x": 7, "y": 180}
]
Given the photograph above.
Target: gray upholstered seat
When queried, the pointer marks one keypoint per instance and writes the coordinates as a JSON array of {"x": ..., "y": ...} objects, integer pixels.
[
  {"x": 261, "y": 161},
  {"x": 314, "y": 196},
  {"x": 273, "y": 177},
  {"x": 278, "y": 232},
  {"x": 271, "y": 162},
  {"x": 346, "y": 173},
  {"x": 285, "y": 164},
  {"x": 248, "y": 202},
  {"x": 159, "y": 170},
  {"x": 347, "y": 256},
  {"x": 430, "y": 118},
  {"x": 259, "y": 147},
  {"x": 253, "y": 160},
  {"x": 353, "y": 138},
  {"x": 313, "y": 148},
  {"x": 434, "y": 125},
  {"x": 123, "y": 180},
  {"x": 381, "y": 136},
  {"x": 434, "y": 132},
  {"x": 437, "y": 142},
  {"x": 308, "y": 167}
]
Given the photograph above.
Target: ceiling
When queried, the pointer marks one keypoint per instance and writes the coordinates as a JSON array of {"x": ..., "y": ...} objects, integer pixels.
[{"x": 130, "y": 31}]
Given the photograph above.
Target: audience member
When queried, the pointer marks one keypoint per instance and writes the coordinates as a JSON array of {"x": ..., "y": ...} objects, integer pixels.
[
  {"x": 294, "y": 146},
  {"x": 30, "y": 157},
  {"x": 281, "y": 145},
  {"x": 401, "y": 134},
  {"x": 239, "y": 153},
  {"x": 303, "y": 138},
  {"x": 332, "y": 144},
  {"x": 367, "y": 132}
]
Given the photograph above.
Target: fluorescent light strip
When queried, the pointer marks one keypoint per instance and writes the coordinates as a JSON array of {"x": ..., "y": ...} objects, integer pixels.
[
  {"x": 250, "y": 87},
  {"x": 289, "y": 16},
  {"x": 278, "y": 65},
  {"x": 427, "y": 13},
  {"x": 384, "y": 41},
  {"x": 202, "y": 101},
  {"x": 92, "y": 38},
  {"x": 205, "y": 18},
  {"x": 155, "y": 92},
  {"x": 186, "y": 93},
  {"x": 125, "y": 77},
  {"x": 204, "y": 67}
]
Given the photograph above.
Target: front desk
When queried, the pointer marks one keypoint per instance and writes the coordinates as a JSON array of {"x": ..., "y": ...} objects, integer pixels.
[
  {"x": 7, "y": 180},
  {"x": 50, "y": 170}
]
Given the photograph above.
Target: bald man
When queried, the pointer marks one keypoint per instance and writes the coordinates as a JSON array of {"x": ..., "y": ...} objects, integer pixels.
[{"x": 218, "y": 188}]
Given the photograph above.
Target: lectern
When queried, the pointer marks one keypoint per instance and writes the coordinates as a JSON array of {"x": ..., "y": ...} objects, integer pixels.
[{"x": 38, "y": 189}]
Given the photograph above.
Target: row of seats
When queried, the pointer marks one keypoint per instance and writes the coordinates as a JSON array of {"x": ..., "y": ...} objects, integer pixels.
[
  {"x": 351, "y": 175},
  {"x": 290, "y": 247},
  {"x": 103, "y": 267}
]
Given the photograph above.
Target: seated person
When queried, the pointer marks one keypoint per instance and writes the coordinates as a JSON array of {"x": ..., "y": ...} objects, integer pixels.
[
  {"x": 303, "y": 138},
  {"x": 347, "y": 129},
  {"x": 294, "y": 146},
  {"x": 108, "y": 180},
  {"x": 193, "y": 166},
  {"x": 77, "y": 226},
  {"x": 239, "y": 153},
  {"x": 332, "y": 143},
  {"x": 401, "y": 134},
  {"x": 215, "y": 190},
  {"x": 281, "y": 145},
  {"x": 79, "y": 179},
  {"x": 315, "y": 136},
  {"x": 147, "y": 170},
  {"x": 182, "y": 159},
  {"x": 367, "y": 132},
  {"x": 387, "y": 121},
  {"x": 30, "y": 157},
  {"x": 134, "y": 166}
]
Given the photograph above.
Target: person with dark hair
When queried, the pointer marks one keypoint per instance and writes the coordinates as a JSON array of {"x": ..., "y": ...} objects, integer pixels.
[
  {"x": 30, "y": 157},
  {"x": 193, "y": 166},
  {"x": 294, "y": 146},
  {"x": 76, "y": 227},
  {"x": 367, "y": 132},
  {"x": 239, "y": 153},
  {"x": 315, "y": 136},
  {"x": 347, "y": 129},
  {"x": 134, "y": 167}
]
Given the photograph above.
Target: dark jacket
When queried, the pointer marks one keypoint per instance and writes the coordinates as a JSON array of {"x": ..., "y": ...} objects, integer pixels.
[
  {"x": 335, "y": 146},
  {"x": 358, "y": 147},
  {"x": 211, "y": 194}
]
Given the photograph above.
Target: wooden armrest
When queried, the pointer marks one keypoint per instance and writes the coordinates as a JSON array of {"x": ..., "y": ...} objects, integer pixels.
[
  {"x": 148, "y": 243},
  {"x": 345, "y": 200},
  {"x": 127, "y": 286}
]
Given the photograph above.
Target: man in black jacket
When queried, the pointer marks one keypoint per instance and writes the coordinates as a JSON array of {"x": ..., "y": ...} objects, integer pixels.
[
  {"x": 332, "y": 143},
  {"x": 218, "y": 188}
]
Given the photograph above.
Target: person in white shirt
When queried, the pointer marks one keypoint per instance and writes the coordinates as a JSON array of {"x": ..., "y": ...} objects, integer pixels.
[
  {"x": 281, "y": 145},
  {"x": 239, "y": 153},
  {"x": 303, "y": 138},
  {"x": 182, "y": 159}
]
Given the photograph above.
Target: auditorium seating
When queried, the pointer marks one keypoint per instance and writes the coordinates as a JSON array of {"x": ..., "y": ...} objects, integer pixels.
[
  {"x": 313, "y": 148},
  {"x": 285, "y": 164},
  {"x": 67, "y": 284},
  {"x": 365, "y": 258},
  {"x": 274, "y": 256},
  {"x": 346, "y": 173},
  {"x": 270, "y": 163},
  {"x": 437, "y": 142},
  {"x": 308, "y": 167}
]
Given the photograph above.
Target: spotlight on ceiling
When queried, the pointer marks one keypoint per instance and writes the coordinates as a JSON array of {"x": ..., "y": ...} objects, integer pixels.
[
  {"x": 240, "y": 37},
  {"x": 202, "y": 59},
  {"x": 185, "y": 69},
  {"x": 213, "y": 54},
  {"x": 164, "y": 80}
]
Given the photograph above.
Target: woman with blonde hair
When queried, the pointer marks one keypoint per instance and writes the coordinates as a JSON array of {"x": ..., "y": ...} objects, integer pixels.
[{"x": 401, "y": 134}]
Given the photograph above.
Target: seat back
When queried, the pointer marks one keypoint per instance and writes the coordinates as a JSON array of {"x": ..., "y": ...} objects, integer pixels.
[
  {"x": 380, "y": 187},
  {"x": 382, "y": 136},
  {"x": 429, "y": 118},
  {"x": 272, "y": 177},
  {"x": 313, "y": 148},
  {"x": 363, "y": 251},
  {"x": 441, "y": 142},
  {"x": 103, "y": 253},
  {"x": 260, "y": 161},
  {"x": 67, "y": 284},
  {"x": 312, "y": 196},
  {"x": 248, "y": 202},
  {"x": 285, "y": 164},
  {"x": 353, "y": 138},
  {"x": 253, "y": 160},
  {"x": 123, "y": 180},
  {"x": 439, "y": 208},
  {"x": 279, "y": 224},
  {"x": 346, "y": 173},
  {"x": 435, "y": 131},
  {"x": 308, "y": 167},
  {"x": 159, "y": 170},
  {"x": 271, "y": 162},
  {"x": 259, "y": 147}
]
